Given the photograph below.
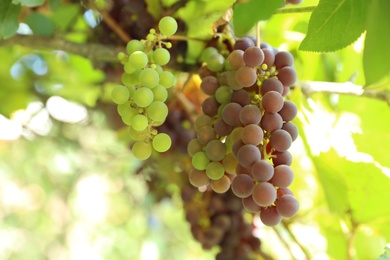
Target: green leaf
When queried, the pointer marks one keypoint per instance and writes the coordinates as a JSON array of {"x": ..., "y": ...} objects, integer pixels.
[
  {"x": 335, "y": 24},
  {"x": 9, "y": 14},
  {"x": 65, "y": 15},
  {"x": 30, "y": 3},
  {"x": 376, "y": 56},
  {"x": 372, "y": 143},
  {"x": 40, "y": 24},
  {"x": 54, "y": 4},
  {"x": 247, "y": 14}
]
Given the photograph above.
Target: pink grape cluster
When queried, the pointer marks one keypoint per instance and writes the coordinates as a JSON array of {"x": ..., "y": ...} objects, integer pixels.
[{"x": 245, "y": 132}]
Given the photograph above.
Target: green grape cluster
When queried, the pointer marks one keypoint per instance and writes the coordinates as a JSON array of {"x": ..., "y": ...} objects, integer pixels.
[{"x": 141, "y": 98}]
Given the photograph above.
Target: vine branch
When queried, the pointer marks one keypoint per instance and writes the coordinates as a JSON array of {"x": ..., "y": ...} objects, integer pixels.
[
  {"x": 294, "y": 10},
  {"x": 346, "y": 88}
]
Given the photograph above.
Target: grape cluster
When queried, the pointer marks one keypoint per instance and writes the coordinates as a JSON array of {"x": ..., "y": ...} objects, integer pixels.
[
  {"x": 245, "y": 132},
  {"x": 141, "y": 98},
  {"x": 214, "y": 222}
]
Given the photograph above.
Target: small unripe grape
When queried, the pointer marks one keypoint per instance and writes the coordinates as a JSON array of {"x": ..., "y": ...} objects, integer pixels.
[{"x": 167, "y": 26}]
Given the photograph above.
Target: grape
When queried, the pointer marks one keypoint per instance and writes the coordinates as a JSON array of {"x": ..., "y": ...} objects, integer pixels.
[
  {"x": 200, "y": 160},
  {"x": 232, "y": 80},
  {"x": 283, "y": 191},
  {"x": 264, "y": 194},
  {"x": 207, "y": 53},
  {"x": 160, "y": 93},
  {"x": 243, "y": 43},
  {"x": 221, "y": 185},
  {"x": 271, "y": 84},
  {"x": 250, "y": 205},
  {"x": 210, "y": 106},
  {"x": 198, "y": 178},
  {"x": 236, "y": 146},
  {"x": 236, "y": 134},
  {"x": 269, "y": 57},
  {"x": 230, "y": 114},
  {"x": 235, "y": 59},
  {"x": 247, "y": 155},
  {"x": 202, "y": 120},
  {"x": 128, "y": 115},
  {"x": 242, "y": 170},
  {"x": 141, "y": 150},
  {"x": 283, "y": 59},
  {"x": 283, "y": 176},
  {"x": 134, "y": 45},
  {"x": 215, "y": 62},
  {"x": 139, "y": 122},
  {"x": 149, "y": 78},
  {"x": 221, "y": 128},
  {"x": 143, "y": 97},
  {"x": 246, "y": 76},
  {"x": 205, "y": 134},
  {"x": 157, "y": 111},
  {"x": 122, "y": 107},
  {"x": 215, "y": 150},
  {"x": 285, "y": 91},
  {"x": 161, "y": 142},
  {"x": 222, "y": 221},
  {"x": 194, "y": 146},
  {"x": 120, "y": 94},
  {"x": 138, "y": 60},
  {"x": 252, "y": 134},
  {"x": 161, "y": 56},
  {"x": 272, "y": 102},
  {"x": 209, "y": 85},
  {"x": 250, "y": 114},
  {"x": 242, "y": 186},
  {"x": 270, "y": 217},
  {"x": 287, "y": 206},
  {"x": 137, "y": 135},
  {"x": 288, "y": 111},
  {"x": 262, "y": 170},
  {"x": 167, "y": 79},
  {"x": 287, "y": 75},
  {"x": 292, "y": 129},
  {"x": 215, "y": 170},
  {"x": 230, "y": 163},
  {"x": 253, "y": 56},
  {"x": 271, "y": 121},
  {"x": 280, "y": 140},
  {"x": 223, "y": 94},
  {"x": 130, "y": 79},
  {"x": 167, "y": 26},
  {"x": 241, "y": 97},
  {"x": 282, "y": 158}
]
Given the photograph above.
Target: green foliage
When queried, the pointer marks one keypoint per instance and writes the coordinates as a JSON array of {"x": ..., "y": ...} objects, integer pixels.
[
  {"x": 64, "y": 16},
  {"x": 30, "y": 3},
  {"x": 8, "y": 18},
  {"x": 335, "y": 24},
  {"x": 246, "y": 14},
  {"x": 376, "y": 52},
  {"x": 40, "y": 24}
]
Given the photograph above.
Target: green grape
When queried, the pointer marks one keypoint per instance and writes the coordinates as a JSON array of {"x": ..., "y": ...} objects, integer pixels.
[
  {"x": 167, "y": 79},
  {"x": 121, "y": 56},
  {"x": 128, "y": 114},
  {"x": 149, "y": 78},
  {"x": 141, "y": 150},
  {"x": 143, "y": 97},
  {"x": 200, "y": 161},
  {"x": 134, "y": 45},
  {"x": 215, "y": 170},
  {"x": 137, "y": 135},
  {"x": 160, "y": 93},
  {"x": 139, "y": 122},
  {"x": 130, "y": 79},
  {"x": 207, "y": 53},
  {"x": 150, "y": 37},
  {"x": 138, "y": 60},
  {"x": 161, "y": 56},
  {"x": 167, "y": 26},
  {"x": 122, "y": 107},
  {"x": 215, "y": 62},
  {"x": 223, "y": 94},
  {"x": 162, "y": 142},
  {"x": 120, "y": 94},
  {"x": 129, "y": 68},
  {"x": 157, "y": 111}
]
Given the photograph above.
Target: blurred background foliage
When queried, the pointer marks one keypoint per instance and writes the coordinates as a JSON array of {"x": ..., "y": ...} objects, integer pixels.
[{"x": 71, "y": 189}]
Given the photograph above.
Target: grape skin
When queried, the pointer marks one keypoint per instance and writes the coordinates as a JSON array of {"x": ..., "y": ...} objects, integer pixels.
[
  {"x": 283, "y": 176},
  {"x": 264, "y": 194},
  {"x": 252, "y": 134},
  {"x": 250, "y": 114},
  {"x": 161, "y": 142},
  {"x": 250, "y": 205},
  {"x": 292, "y": 129},
  {"x": 287, "y": 75},
  {"x": 271, "y": 84},
  {"x": 280, "y": 140},
  {"x": 215, "y": 170},
  {"x": 242, "y": 186},
  {"x": 120, "y": 94},
  {"x": 230, "y": 114},
  {"x": 283, "y": 59},
  {"x": 215, "y": 150},
  {"x": 246, "y": 76},
  {"x": 270, "y": 217},
  {"x": 282, "y": 158},
  {"x": 141, "y": 150},
  {"x": 210, "y": 106},
  {"x": 167, "y": 26},
  {"x": 272, "y": 101},
  {"x": 200, "y": 161},
  {"x": 247, "y": 155},
  {"x": 262, "y": 170},
  {"x": 209, "y": 85},
  {"x": 221, "y": 185},
  {"x": 198, "y": 178},
  {"x": 271, "y": 121},
  {"x": 236, "y": 60},
  {"x": 287, "y": 206},
  {"x": 253, "y": 56},
  {"x": 241, "y": 97}
]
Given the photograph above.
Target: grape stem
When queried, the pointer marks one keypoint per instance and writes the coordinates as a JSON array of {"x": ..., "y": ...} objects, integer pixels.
[
  {"x": 345, "y": 88},
  {"x": 184, "y": 38},
  {"x": 293, "y": 10}
]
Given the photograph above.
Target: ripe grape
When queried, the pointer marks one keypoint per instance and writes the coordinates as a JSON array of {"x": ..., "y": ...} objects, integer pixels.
[
  {"x": 269, "y": 56},
  {"x": 282, "y": 158},
  {"x": 157, "y": 111},
  {"x": 241, "y": 97},
  {"x": 246, "y": 76},
  {"x": 271, "y": 84},
  {"x": 292, "y": 129},
  {"x": 161, "y": 142},
  {"x": 149, "y": 78},
  {"x": 250, "y": 205},
  {"x": 202, "y": 120},
  {"x": 250, "y": 114},
  {"x": 205, "y": 134},
  {"x": 215, "y": 150},
  {"x": 287, "y": 206},
  {"x": 262, "y": 170},
  {"x": 215, "y": 170},
  {"x": 236, "y": 60},
  {"x": 120, "y": 94},
  {"x": 283, "y": 59},
  {"x": 280, "y": 140},
  {"x": 264, "y": 194},
  {"x": 287, "y": 75},
  {"x": 230, "y": 163},
  {"x": 143, "y": 97},
  {"x": 167, "y": 26},
  {"x": 221, "y": 185},
  {"x": 272, "y": 101},
  {"x": 270, "y": 217},
  {"x": 198, "y": 178},
  {"x": 209, "y": 85},
  {"x": 288, "y": 111},
  {"x": 161, "y": 56},
  {"x": 252, "y": 134},
  {"x": 253, "y": 56},
  {"x": 271, "y": 121},
  {"x": 242, "y": 185},
  {"x": 283, "y": 191},
  {"x": 221, "y": 128},
  {"x": 283, "y": 176},
  {"x": 247, "y": 155},
  {"x": 230, "y": 114},
  {"x": 243, "y": 43},
  {"x": 243, "y": 170},
  {"x": 141, "y": 150},
  {"x": 210, "y": 106}
]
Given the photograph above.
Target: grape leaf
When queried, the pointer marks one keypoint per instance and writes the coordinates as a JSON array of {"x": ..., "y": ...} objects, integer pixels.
[
  {"x": 9, "y": 14},
  {"x": 30, "y": 3},
  {"x": 246, "y": 14},
  {"x": 376, "y": 56},
  {"x": 335, "y": 24},
  {"x": 40, "y": 24}
]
